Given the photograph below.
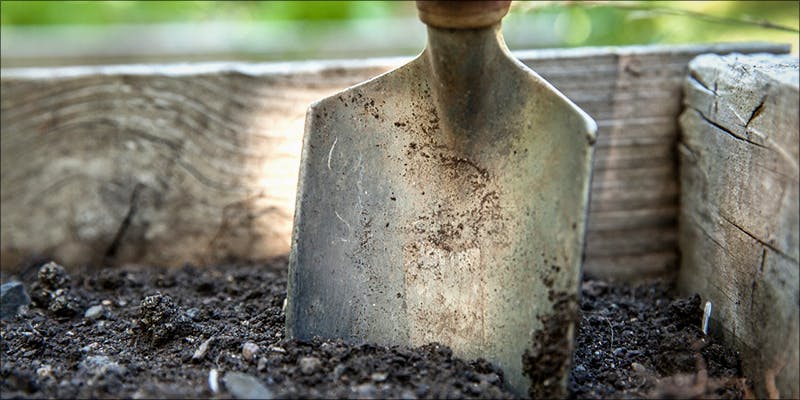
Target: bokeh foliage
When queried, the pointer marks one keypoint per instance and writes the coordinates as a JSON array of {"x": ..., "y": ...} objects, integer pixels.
[
  {"x": 15, "y": 12},
  {"x": 574, "y": 23},
  {"x": 643, "y": 22}
]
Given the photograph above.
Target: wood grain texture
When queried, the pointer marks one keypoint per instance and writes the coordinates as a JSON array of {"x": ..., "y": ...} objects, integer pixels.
[
  {"x": 634, "y": 94},
  {"x": 739, "y": 218},
  {"x": 198, "y": 162},
  {"x": 160, "y": 165}
]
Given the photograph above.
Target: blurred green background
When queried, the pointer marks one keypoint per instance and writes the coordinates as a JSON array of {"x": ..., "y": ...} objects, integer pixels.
[{"x": 69, "y": 32}]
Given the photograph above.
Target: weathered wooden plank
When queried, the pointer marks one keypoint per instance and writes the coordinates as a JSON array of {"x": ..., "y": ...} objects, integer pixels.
[
  {"x": 197, "y": 162},
  {"x": 635, "y": 96},
  {"x": 629, "y": 241},
  {"x": 156, "y": 164},
  {"x": 631, "y": 218},
  {"x": 632, "y": 267},
  {"x": 739, "y": 218}
]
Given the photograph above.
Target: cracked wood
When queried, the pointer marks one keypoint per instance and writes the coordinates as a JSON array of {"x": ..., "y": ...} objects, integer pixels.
[{"x": 739, "y": 219}]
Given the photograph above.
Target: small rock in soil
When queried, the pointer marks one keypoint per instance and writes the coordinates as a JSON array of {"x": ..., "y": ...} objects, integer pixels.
[
  {"x": 309, "y": 364},
  {"x": 366, "y": 390},
  {"x": 262, "y": 364},
  {"x": 379, "y": 376},
  {"x": 249, "y": 350},
  {"x": 93, "y": 312},
  {"x": 276, "y": 349},
  {"x": 244, "y": 386},
  {"x": 53, "y": 276},
  {"x": 12, "y": 297},
  {"x": 45, "y": 372},
  {"x": 193, "y": 314},
  {"x": 100, "y": 365}
]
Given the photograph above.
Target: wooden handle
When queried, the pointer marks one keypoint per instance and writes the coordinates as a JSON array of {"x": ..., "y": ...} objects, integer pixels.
[{"x": 469, "y": 14}]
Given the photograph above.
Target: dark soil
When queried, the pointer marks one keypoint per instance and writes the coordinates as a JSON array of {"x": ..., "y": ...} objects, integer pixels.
[
  {"x": 637, "y": 342},
  {"x": 167, "y": 333}
]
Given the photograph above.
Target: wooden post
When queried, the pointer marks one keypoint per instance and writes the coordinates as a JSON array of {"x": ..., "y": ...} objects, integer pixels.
[{"x": 739, "y": 208}]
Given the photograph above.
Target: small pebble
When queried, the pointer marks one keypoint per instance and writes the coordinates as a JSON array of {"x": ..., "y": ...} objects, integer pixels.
[
  {"x": 308, "y": 365},
  {"x": 422, "y": 390},
  {"x": 12, "y": 297},
  {"x": 94, "y": 312},
  {"x": 244, "y": 386},
  {"x": 262, "y": 364},
  {"x": 45, "y": 371},
  {"x": 249, "y": 350},
  {"x": 193, "y": 313},
  {"x": 90, "y": 347},
  {"x": 474, "y": 389},
  {"x": 366, "y": 390},
  {"x": 276, "y": 349},
  {"x": 100, "y": 366},
  {"x": 201, "y": 351},
  {"x": 639, "y": 368},
  {"x": 379, "y": 376}
]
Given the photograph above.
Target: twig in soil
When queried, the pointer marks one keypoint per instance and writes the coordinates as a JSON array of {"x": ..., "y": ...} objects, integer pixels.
[{"x": 611, "y": 328}]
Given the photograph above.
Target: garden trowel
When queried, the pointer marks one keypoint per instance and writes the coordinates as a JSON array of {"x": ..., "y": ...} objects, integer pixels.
[{"x": 446, "y": 201}]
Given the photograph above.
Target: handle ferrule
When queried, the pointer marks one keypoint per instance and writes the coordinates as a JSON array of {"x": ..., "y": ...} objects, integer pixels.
[{"x": 468, "y": 14}]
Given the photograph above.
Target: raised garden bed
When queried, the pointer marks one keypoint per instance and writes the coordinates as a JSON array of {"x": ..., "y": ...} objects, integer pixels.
[{"x": 159, "y": 166}]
